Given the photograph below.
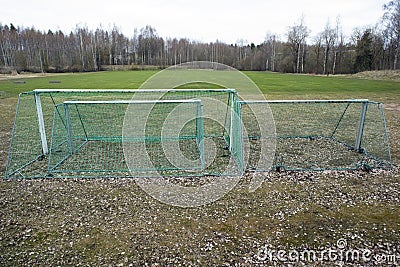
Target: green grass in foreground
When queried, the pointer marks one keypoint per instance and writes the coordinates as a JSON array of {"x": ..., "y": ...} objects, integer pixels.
[{"x": 273, "y": 85}]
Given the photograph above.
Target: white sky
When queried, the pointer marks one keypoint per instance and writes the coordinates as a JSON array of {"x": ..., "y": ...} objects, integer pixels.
[{"x": 205, "y": 20}]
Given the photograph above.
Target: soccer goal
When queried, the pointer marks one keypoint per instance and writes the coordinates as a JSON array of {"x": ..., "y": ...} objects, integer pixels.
[
  {"x": 140, "y": 133},
  {"x": 89, "y": 137},
  {"x": 316, "y": 135},
  {"x": 35, "y": 121}
]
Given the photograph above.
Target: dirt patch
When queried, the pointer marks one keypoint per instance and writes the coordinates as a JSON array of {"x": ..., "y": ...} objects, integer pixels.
[
  {"x": 21, "y": 76},
  {"x": 392, "y": 107},
  {"x": 392, "y": 75},
  {"x": 28, "y": 75}
]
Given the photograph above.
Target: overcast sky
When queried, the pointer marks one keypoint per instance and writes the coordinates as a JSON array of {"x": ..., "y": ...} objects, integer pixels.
[{"x": 205, "y": 20}]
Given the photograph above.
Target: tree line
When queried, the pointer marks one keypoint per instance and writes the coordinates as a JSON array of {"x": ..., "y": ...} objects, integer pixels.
[{"x": 327, "y": 52}]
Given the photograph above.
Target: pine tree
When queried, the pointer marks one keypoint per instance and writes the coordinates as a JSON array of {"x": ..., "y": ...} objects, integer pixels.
[{"x": 364, "y": 52}]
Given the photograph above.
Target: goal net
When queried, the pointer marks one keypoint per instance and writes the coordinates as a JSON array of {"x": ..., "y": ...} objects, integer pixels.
[
  {"x": 89, "y": 137},
  {"x": 317, "y": 135},
  {"x": 35, "y": 121},
  {"x": 178, "y": 132}
]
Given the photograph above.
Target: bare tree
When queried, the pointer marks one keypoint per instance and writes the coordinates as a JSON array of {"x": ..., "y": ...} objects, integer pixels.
[
  {"x": 270, "y": 44},
  {"x": 338, "y": 44},
  {"x": 328, "y": 39},
  {"x": 392, "y": 32},
  {"x": 297, "y": 35}
]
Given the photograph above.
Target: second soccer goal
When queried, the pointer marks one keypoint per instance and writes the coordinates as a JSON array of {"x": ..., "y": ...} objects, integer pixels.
[{"x": 122, "y": 136}]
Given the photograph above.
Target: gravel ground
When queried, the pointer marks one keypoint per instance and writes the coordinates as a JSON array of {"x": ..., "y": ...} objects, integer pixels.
[{"x": 113, "y": 222}]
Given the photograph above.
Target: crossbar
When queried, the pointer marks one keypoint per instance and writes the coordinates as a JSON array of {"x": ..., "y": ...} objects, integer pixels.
[
  {"x": 130, "y": 90},
  {"x": 132, "y": 101},
  {"x": 311, "y": 101}
]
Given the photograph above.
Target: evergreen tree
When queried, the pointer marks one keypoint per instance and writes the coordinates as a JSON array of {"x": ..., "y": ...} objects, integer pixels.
[{"x": 364, "y": 52}]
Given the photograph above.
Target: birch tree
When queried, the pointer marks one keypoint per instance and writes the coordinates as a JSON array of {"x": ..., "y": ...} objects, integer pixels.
[
  {"x": 328, "y": 39},
  {"x": 392, "y": 22},
  {"x": 297, "y": 35},
  {"x": 338, "y": 45}
]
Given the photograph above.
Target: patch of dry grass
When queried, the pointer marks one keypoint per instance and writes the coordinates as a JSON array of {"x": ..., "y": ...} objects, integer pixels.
[{"x": 383, "y": 75}]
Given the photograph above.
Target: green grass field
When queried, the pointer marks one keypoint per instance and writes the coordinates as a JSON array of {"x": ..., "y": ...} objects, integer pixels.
[
  {"x": 113, "y": 222},
  {"x": 273, "y": 85}
]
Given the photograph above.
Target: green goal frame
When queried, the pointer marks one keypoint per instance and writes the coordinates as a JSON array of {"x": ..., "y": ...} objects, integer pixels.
[
  {"x": 31, "y": 135},
  {"x": 100, "y": 123},
  {"x": 318, "y": 135},
  {"x": 311, "y": 135}
]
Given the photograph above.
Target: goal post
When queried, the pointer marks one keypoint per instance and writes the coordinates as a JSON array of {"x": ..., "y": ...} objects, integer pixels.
[
  {"x": 42, "y": 130},
  {"x": 89, "y": 137},
  {"x": 26, "y": 148}
]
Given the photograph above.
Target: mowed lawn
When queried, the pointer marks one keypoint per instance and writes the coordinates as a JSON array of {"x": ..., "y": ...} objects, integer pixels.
[
  {"x": 273, "y": 85},
  {"x": 103, "y": 222}
]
